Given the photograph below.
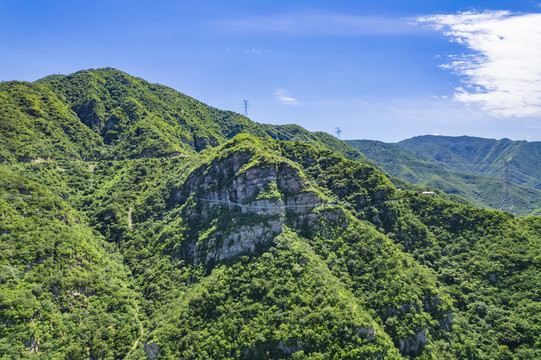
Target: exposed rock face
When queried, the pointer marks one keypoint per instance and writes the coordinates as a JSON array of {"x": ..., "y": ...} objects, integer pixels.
[
  {"x": 369, "y": 333},
  {"x": 446, "y": 322},
  {"x": 244, "y": 240},
  {"x": 90, "y": 114},
  {"x": 32, "y": 345},
  {"x": 152, "y": 350},
  {"x": 289, "y": 349},
  {"x": 233, "y": 189},
  {"x": 494, "y": 278},
  {"x": 207, "y": 178},
  {"x": 413, "y": 344}
]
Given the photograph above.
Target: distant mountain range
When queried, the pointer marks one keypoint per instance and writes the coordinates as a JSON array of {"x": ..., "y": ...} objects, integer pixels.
[{"x": 470, "y": 167}]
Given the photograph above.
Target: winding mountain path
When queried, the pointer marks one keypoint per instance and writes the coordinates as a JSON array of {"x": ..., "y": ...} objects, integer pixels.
[{"x": 140, "y": 335}]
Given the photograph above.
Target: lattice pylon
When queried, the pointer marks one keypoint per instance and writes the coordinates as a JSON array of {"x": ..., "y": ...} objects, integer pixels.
[{"x": 507, "y": 199}]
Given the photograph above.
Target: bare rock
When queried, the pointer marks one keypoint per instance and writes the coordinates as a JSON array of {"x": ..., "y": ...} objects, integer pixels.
[
  {"x": 369, "y": 333},
  {"x": 152, "y": 350},
  {"x": 446, "y": 322},
  {"x": 32, "y": 345},
  {"x": 289, "y": 349},
  {"x": 413, "y": 344}
]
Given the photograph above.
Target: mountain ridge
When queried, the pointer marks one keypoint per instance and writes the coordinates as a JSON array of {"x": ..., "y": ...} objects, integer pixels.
[
  {"x": 489, "y": 154},
  {"x": 473, "y": 171},
  {"x": 130, "y": 117},
  {"x": 255, "y": 248}
]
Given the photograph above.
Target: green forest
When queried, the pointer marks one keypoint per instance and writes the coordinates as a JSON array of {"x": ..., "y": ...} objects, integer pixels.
[
  {"x": 470, "y": 167},
  {"x": 137, "y": 222}
]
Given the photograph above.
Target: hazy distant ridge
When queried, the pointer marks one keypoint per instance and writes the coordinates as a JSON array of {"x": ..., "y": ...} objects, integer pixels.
[{"x": 467, "y": 166}]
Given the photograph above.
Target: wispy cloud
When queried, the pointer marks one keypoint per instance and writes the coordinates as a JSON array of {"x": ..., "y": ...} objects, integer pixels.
[
  {"x": 321, "y": 23},
  {"x": 254, "y": 51},
  {"x": 502, "y": 71},
  {"x": 282, "y": 96}
]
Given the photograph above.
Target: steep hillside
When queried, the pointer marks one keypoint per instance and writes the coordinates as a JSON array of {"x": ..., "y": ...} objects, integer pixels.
[
  {"x": 454, "y": 177},
  {"x": 175, "y": 233},
  {"x": 108, "y": 114},
  {"x": 36, "y": 125},
  {"x": 260, "y": 249},
  {"x": 65, "y": 292}
]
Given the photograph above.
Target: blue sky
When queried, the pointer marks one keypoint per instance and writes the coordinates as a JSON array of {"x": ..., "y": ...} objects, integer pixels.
[{"x": 383, "y": 70}]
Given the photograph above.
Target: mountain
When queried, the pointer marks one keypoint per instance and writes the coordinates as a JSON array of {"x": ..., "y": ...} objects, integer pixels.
[
  {"x": 456, "y": 166},
  {"x": 481, "y": 156},
  {"x": 65, "y": 292},
  {"x": 255, "y": 248},
  {"x": 108, "y": 114}
]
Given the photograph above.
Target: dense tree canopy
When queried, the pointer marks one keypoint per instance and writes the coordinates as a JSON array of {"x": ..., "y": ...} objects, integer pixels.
[{"x": 138, "y": 222}]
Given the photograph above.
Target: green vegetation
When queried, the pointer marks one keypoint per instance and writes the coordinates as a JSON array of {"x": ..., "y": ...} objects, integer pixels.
[
  {"x": 245, "y": 247},
  {"x": 35, "y": 125},
  {"x": 479, "y": 156},
  {"x": 464, "y": 166},
  {"x": 65, "y": 292},
  {"x": 285, "y": 301}
]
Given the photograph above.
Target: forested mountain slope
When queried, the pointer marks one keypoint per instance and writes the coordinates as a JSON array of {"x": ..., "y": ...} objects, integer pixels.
[
  {"x": 65, "y": 292},
  {"x": 480, "y": 156},
  {"x": 108, "y": 114},
  {"x": 254, "y": 248},
  {"x": 456, "y": 166}
]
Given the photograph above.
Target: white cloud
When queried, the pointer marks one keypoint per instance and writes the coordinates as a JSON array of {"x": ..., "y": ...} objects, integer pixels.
[
  {"x": 254, "y": 51},
  {"x": 321, "y": 23},
  {"x": 282, "y": 96},
  {"x": 503, "y": 74}
]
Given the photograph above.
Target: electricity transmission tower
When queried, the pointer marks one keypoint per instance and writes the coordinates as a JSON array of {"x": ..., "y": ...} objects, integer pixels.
[
  {"x": 507, "y": 200},
  {"x": 338, "y": 132},
  {"x": 245, "y": 103}
]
